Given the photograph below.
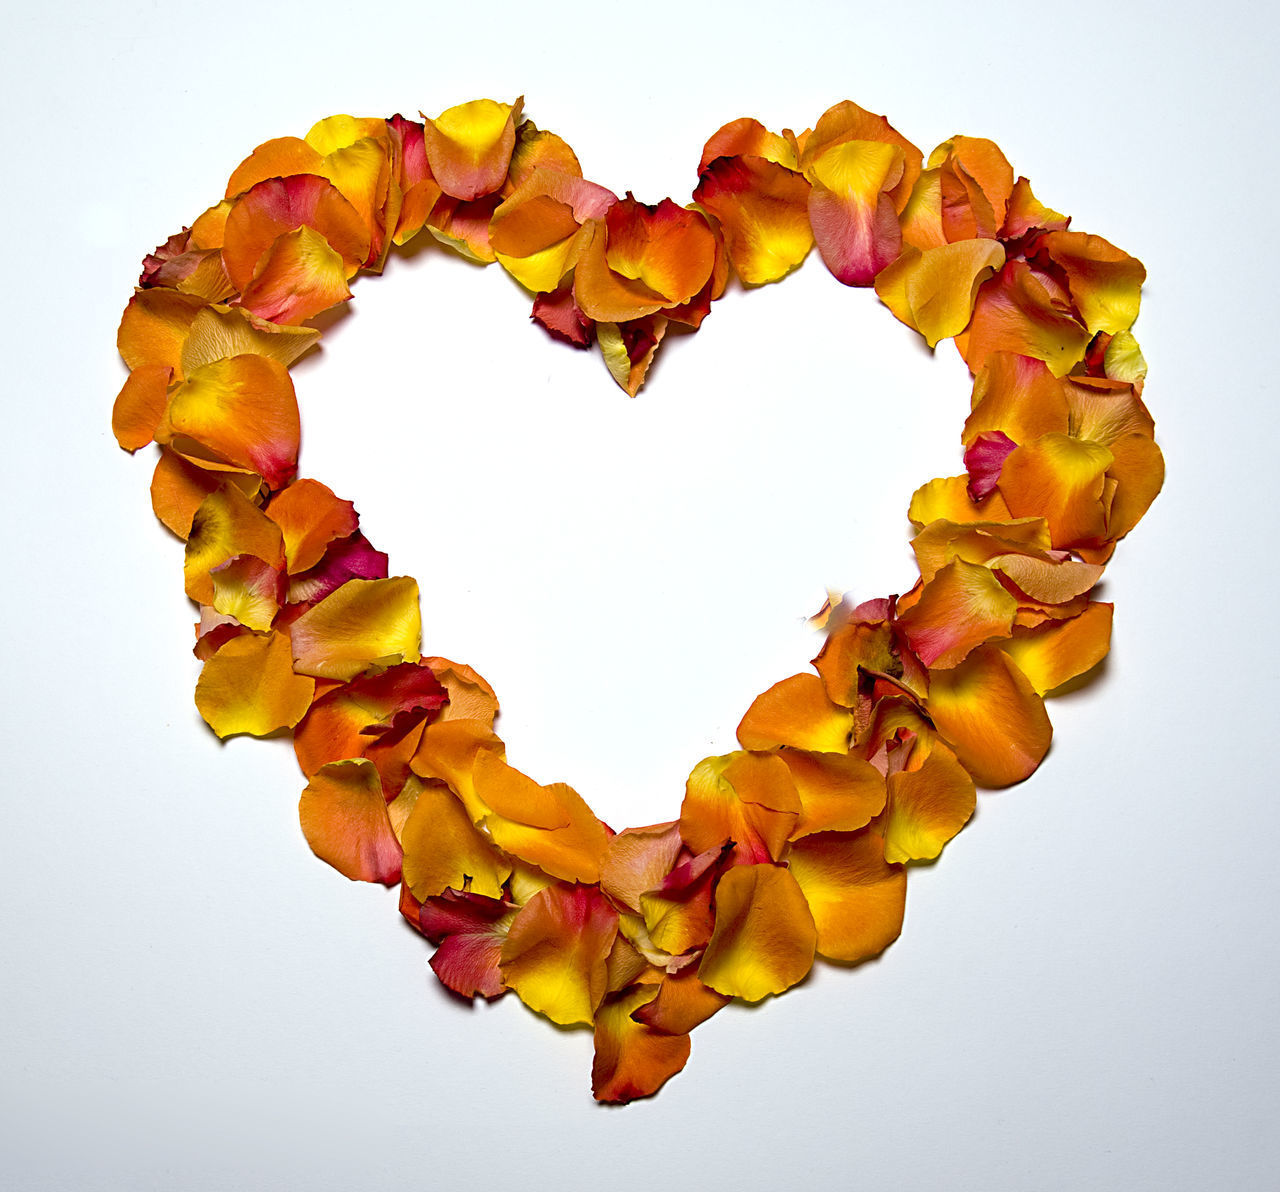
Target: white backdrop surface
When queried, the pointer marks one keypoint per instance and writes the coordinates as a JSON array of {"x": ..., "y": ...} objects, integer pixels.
[{"x": 1083, "y": 996}]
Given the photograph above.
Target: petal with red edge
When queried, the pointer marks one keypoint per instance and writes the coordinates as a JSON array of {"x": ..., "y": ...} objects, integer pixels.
[
  {"x": 299, "y": 276},
  {"x": 631, "y": 1060},
  {"x": 962, "y": 606},
  {"x": 344, "y": 818},
  {"x": 242, "y": 412},
  {"x": 556, "y": 951},
  {"x": 470, "y": 930},
  {"x": 469, "y": 146},
  {"x": 1016, "y": 312}
]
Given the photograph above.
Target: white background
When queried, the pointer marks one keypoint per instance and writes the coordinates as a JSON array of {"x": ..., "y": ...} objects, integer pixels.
[{"x": 1084, "y": 995}]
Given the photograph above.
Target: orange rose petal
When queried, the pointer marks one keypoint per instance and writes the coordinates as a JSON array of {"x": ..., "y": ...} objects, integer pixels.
[
  {"x": 763, "y": 211},
  {"x": 1026, "y": 214},
  {"x": 683, "y": 1002},
  {"x": 249, "y": 686},
  {"x": 154, "y": 327},
  {"x": 960, "y": 607},
  {"x": 637, "y": 860},
  {"x": 1018, "y": 396},
  {"x": 849, "y": 651},
  {"x": 566, "y": 841},
  {"x": 470, "y": 697},
  {"x": 667, "y": 249},
  {"x": 1062, "y": 480},
  {"x": 277, "y": 158},
  {"x": 921, "y": 218},
  {"x": 1137, "y": 465},
  {"x": 219, "y": 333},
  {"x": 796, "y": 712},
  {"x": 344, "y": 818},
  {"x": 1016, "y": 312},
  {"x": 855, "y": 224},
  {"x": 1047, "y": 580},
  {"x": 933, "y": 292},
  {"x": 949, "y": 499},
  {"x": 745, "y": 798},
  {"x": 677, "y": 914},
  {"x": 464, "y": 226},
  {"x": 310, "y": 517},
  {"x": 448, "y": 752},
  {"x": 241, "y": 411},
  {"x": 366, "y": 622},
  {"x": 469, "y": 146},
  {"x": 927, "y": 806},
  {"x": 225, "y": 525},
  {"x": 299, "y": 276},
  {"x": 856, "y": 897},
  {"x": 538, "y": 149},
  {"x": 1056, "y": 652},
  {"x": 764, "y": 938},
  {"x": 178, "y": 488},
  {"x": 631, "y": 1060},
  {"x": 602, "y": 294},
  {"x": 444, "y": 850},
  {"x": 941, "y": 542},
  {"x": 747, "y": 137},
  {"x": 838, "y": 792},
  {"x": 140, "y": 405},
  {"x": 1105, "y": 282},
  {"x": 991, "y": 716},
  {"x": 977, "y": 183},
  {"x": 845, "y": 122},
  {"x": 556, "y": 951},
  {"x": 280, "y": 205},
  {"x": 346, "y": 721}
]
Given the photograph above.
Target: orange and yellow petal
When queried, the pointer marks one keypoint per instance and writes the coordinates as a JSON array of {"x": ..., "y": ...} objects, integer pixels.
[
  {"x": 960, "y": 607},
  {"x": 140, "y": 405},
  {"x": 469, "y": 146},
  {"x": 1056, "y": 652},
  {"x": 299, "y": 276},
  {"x": 444, "y": 850},
  {"x": 1105, "y": 282},
  {"x": 310, "y": 517},
  {"x": 225, "y": 525},
  {"x": 667, "y": 249},
  {"x": 366, "y": 622},
  {"x": 764, "y": 939},
  {"x": 344, "y": 818},
  {"x": 838, "y": 792},
  {"x": 933, "y": 291},
  {"x": 556, "y": 952},
  {"x": 856, "y": 897},
  {"x": 988, "y": 712},
  {"x": 1062, "y": 480},
  {"x": 241, "y": 412},
  {"x": 154, "y": 328},
  {"x": 746, "y": 798},
  {"x": 632, "y": 1060},
  {"x": 796, "y": 712},
  {"x": 855, "y": 224},
  {"x": 927, "y": 806},
  {"x": 763, "y": 212},
  {"x": 249, "y": 686}
]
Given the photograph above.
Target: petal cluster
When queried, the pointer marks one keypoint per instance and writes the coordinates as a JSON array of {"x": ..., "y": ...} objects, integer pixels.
[{"x": 796, "y": 845}]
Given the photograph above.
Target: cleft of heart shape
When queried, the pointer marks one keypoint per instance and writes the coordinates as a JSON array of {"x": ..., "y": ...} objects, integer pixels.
[{"x": 795, "y": 846}]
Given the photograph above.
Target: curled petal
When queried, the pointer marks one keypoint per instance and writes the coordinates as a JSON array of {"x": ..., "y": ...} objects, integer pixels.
[
  {"x": 365, "y": 622},
  {"x": 951, "y": 499},
  {"x": 449, "y": 751},
  {"x": 977, "y": 183},
  {"x": 667, "y": 249},
  {"x": 747, "y": 137},
  {"x": 178, "y": 488},
  {"x": 991, "y": 716},
  {"x": 249, "y": 686},
  {"x": 248, "y": 590},
  {"x": 470, "y": 697},
  {"x": 225, "y": 525},
  {"x": 344, "y": 818},
  {"x": 764, "y": 938},
  {"x": 628, "y": 349}
]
